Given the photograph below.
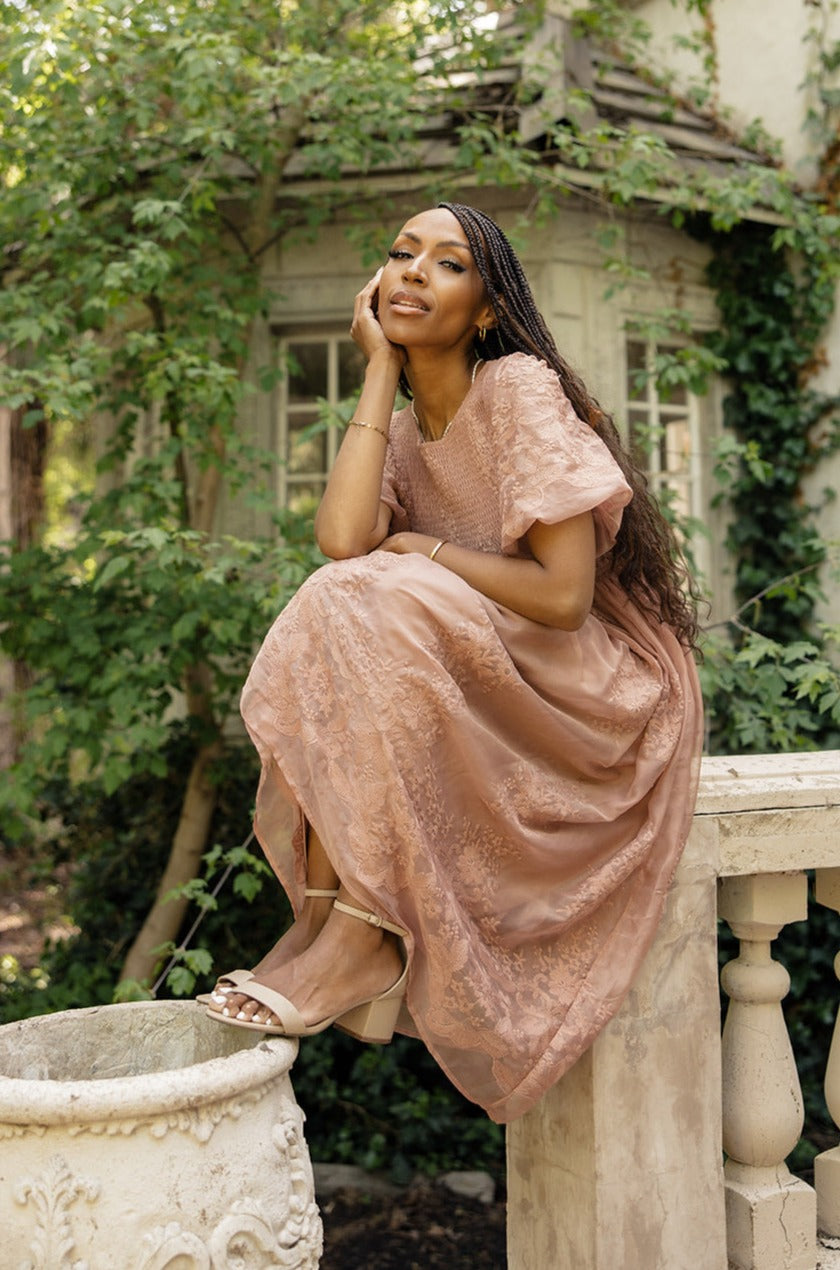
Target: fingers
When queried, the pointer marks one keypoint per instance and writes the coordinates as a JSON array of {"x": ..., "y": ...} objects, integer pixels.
[
  {"x": 366, "y": 297},
  {"x": 366, "y": 329},
  {"x": 365, "y": 325}
]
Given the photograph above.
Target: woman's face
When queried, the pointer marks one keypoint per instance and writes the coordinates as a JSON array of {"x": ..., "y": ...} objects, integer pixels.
[{"x": 430, "y": 293}]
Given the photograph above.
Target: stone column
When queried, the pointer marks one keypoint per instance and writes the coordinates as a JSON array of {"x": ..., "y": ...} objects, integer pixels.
[
  {"x": 827, "y": 1163},
  {"x": 770, "y": 1215},
  {"x": 620, "y": 1166}
]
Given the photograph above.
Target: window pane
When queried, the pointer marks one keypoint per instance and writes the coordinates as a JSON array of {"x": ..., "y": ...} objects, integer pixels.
[
  {"x": 306, "y": 453},
  {"x": 304, "y": 499},
  {"x": 636, "y": 366},
  {"x": 676, "y": 446},
  {"x": 642, "y": 437},
  {"x": 307, "y": 371},
  {"x": 351, "y": 368},
  {"x": 673, "y": 395}
]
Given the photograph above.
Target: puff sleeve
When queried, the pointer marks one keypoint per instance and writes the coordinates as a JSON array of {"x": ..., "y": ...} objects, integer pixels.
[{"x": 550, "y": 464}]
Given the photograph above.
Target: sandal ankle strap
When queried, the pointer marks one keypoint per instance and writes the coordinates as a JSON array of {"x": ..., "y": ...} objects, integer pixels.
[
  {"x": 372, "y": 919},
  {"x": 319, "y": 894}
]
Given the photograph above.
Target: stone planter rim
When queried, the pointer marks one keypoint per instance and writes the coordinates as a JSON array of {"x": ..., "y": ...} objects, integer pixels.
[{"x": 28, "y": 1101}]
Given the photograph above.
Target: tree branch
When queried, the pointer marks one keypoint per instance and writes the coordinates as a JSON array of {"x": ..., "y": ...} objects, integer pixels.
[{"x": 734, "y": 619}]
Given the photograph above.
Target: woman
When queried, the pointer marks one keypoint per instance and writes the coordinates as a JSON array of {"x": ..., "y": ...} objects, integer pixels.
[{"x": 480, "y": 725}]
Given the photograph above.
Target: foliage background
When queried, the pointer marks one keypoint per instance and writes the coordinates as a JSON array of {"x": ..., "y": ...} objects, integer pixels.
[{"x": 148, "y": 154}]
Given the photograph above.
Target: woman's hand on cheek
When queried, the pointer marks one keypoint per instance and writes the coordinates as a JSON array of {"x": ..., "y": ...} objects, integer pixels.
[
  {"x": 402, "y": 544},
  {"x": 365, "y": 328}
]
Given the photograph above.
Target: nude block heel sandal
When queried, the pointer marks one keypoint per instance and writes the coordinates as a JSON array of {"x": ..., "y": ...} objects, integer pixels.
[
  {"x": 234, "y": 979},
  {"x": 374, "y": 1021}
]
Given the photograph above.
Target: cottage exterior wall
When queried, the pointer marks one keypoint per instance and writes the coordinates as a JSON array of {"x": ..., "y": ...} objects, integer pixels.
[{"x": 765, "y": 61}]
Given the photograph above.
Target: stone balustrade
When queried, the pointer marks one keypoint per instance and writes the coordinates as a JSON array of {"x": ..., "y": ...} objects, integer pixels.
[{"x": 664, "y": 1148}]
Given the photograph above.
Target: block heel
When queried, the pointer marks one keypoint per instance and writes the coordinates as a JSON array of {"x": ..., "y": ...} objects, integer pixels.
[{"x": 375, "y": 1021}]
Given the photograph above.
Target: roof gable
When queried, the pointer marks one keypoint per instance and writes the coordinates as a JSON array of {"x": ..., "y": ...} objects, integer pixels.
[{"x": 556, "y": 91}]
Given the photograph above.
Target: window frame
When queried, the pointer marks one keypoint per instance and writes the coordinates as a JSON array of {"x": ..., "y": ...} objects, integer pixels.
[
  {"x": 695, "y": 477},
  {"x": 283, "y": 410}
]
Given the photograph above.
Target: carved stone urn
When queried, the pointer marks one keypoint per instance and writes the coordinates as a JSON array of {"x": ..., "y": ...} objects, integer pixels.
[{"x": 146, "y": 1136}]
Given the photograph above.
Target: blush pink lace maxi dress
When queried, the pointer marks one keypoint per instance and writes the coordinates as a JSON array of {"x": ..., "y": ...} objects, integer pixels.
[{"x": 515, "y": 796}]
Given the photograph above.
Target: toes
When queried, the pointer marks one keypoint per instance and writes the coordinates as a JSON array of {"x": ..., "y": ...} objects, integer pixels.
[
  {"x": 246, "y": 1010},
  {"x": 230, "y": 1004}
]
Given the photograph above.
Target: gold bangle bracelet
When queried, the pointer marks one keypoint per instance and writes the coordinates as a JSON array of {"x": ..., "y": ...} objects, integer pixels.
[
  {"x": 358, "y": 423},
  {"x": 436, "y": 548}
]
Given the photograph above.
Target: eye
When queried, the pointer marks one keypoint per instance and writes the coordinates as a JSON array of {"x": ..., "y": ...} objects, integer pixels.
[
  {"x": 399, "y": 253},
  {"x": 454, "y": 265}
]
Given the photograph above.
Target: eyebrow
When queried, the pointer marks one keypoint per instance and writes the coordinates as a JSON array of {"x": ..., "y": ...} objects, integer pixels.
[{"x": 447, "y": 242}]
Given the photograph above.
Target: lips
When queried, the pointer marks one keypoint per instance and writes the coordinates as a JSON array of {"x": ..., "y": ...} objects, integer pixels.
[{"x": 405, "y": 300}]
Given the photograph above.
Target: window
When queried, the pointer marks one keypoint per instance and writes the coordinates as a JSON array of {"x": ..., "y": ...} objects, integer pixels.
[
  {"x": 320, "y": 367},
  {"x": 664, "y": 433}
]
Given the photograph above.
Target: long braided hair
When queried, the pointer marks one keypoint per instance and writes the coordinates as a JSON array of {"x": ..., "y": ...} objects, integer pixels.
[{"x": 646, "y": 559}]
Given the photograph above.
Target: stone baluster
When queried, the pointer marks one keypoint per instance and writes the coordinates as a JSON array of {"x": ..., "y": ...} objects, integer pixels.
[
  {"x": 770, "y": 1215},
  {"x": 827, "y": 1163}
]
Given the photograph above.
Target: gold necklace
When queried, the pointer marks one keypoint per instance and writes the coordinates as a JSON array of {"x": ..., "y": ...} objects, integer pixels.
[{"x": 449, "y": 424}]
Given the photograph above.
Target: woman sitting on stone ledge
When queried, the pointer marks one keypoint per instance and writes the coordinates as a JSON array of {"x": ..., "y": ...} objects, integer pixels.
[{"x": 480, "y": 724}]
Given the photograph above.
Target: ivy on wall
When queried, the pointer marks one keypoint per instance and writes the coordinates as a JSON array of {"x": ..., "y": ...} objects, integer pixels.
[
  {"x": 770, "y": 675},
  {"x": 771, "y": 321}
]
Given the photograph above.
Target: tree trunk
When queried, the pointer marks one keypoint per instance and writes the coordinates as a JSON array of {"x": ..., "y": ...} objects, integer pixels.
[
  {"x": 164, "y": 918},
  {"x": 22, "y": 461},
  {"x": 7, "y": 670}
]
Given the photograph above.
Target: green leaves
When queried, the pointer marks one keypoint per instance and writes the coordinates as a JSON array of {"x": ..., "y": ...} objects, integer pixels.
[
  {"x": 778, "y": 426},
  {"x": 764, "y": 696},
  {"x": 112, "y": 627}
]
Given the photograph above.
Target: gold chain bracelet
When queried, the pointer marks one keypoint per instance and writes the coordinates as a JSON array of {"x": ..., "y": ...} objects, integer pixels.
[{"x": 358, "y": 423}]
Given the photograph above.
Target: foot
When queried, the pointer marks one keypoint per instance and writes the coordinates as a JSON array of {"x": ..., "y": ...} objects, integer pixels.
[
  {"x": 304, "y": 931},
  {"x": 348, "y": 963}
]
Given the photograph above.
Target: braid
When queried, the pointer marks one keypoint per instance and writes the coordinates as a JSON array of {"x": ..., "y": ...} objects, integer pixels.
[{"x": 646, "y": 559}]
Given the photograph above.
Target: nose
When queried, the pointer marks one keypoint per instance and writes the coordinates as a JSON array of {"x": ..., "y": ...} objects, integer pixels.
[{"x": 414, "y": 270}]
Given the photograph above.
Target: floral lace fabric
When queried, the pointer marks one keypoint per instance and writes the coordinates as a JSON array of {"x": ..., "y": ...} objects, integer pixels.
[{"x": 516, "y": 796}]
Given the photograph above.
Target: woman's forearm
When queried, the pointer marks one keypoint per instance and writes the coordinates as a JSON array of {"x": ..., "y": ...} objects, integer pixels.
[
  {"x": 556, "y": 587},
  {"x": 525, "y": 586},
  {"x": 349, "y": 521}
]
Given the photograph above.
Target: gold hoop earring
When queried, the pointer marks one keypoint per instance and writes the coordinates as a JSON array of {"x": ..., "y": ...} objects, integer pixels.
[{"x": 482, "y": 331}]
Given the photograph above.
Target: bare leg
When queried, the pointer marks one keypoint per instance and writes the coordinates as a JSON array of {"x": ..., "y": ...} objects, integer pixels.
[
  {"x": 348, "y": 962},
  {"x": 320, "y": 876}
]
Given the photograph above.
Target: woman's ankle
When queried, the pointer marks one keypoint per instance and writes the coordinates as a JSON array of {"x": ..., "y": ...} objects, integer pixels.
[{"x": 314, "y": 914}]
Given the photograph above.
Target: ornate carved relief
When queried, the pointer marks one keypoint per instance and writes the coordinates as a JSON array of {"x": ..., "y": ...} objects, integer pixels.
[
  {"x": 8, "y": 1130},
  {"x": 52, "y": 1195},
  {"x": 246, "y": 1238},
  {"x": 197, "y": 1121},
  {"x": 166, "y": 1245},
  {"x": 303, "y": 1224},
  {"x": 275, "y": 1223}
]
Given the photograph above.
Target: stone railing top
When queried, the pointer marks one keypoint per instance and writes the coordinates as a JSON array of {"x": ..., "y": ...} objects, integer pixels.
[
  {"x": 770, "y": 813},
  {"x": 754, "y": 782}
]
